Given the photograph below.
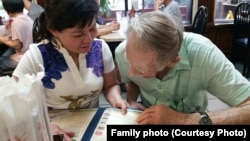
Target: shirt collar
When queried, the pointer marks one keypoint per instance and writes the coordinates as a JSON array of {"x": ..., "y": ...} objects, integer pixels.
[{"x": 183, "y": 64}]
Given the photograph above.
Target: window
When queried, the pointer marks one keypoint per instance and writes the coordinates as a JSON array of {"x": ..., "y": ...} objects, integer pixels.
[
  {"x": 2, "y": 11},
  {"x": 148, "y": 5},
  {"x": 224, "y": 10}
]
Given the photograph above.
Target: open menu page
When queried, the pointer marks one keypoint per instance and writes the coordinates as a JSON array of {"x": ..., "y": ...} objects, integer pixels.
[{"x": 73, "y": 120}]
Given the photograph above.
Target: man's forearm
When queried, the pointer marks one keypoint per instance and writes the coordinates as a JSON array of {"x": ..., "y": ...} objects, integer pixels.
[
  {"x": 234, "y": 116},
  {"x": 132, "y": 92},
  {"x": 10, "y": 43}
]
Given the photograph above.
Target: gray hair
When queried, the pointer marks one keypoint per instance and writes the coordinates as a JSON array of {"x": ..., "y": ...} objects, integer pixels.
[{"x": 157, "y": 31}]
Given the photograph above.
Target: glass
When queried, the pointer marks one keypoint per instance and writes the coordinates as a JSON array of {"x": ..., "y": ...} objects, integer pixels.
[
  {"x": 118, "y": 16},
  {"x": 124, "y": 25},
  {"x": 224, "y": 10}
]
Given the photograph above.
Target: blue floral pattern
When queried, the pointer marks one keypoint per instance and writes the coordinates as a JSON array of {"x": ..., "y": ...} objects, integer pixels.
[
  {"x": 54, "y": 64},
  {"x": 94, "y": 58}
]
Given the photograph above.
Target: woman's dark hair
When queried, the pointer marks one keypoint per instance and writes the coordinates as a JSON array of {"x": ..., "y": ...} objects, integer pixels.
[
  {"x": 13, "y": 6},
  {"x": 62, "y": 14}
]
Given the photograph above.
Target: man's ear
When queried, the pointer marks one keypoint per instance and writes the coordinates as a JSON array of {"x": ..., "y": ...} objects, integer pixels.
[{"x": 174, "y": 61}]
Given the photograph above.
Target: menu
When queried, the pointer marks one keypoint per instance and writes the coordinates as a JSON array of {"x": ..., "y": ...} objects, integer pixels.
[{"x": 91, "y": 124}]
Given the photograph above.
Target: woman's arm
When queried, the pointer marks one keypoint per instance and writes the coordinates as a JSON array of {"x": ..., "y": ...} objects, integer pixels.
[
  {"x": 106, "y": 29},
  {"x": 112, "y": 91}
]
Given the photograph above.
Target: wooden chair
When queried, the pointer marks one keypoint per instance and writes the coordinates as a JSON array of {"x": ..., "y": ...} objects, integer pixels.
[
  {"x": 200, "y": 20},
  {"x": 241, "y": 37}
]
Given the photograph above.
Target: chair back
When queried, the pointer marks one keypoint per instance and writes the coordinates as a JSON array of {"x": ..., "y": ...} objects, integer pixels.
[
  {"x": 200, "y": 20},
  {"x": 241, "y": 37},
  {"x": 242, "y": 21},
  {"x": 35, "y": 29}
]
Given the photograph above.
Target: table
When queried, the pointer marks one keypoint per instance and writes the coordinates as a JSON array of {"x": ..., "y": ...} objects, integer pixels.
[
  {"x": 116, "y": 36},
  {"x": 113, "y": 39}
]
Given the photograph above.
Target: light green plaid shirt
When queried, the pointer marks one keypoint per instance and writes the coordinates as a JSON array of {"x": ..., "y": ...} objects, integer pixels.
[{"x": 203, "y": 67}]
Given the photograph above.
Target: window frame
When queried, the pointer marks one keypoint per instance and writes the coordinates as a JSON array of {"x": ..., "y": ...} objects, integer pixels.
[{"x": 127, "y": 4}]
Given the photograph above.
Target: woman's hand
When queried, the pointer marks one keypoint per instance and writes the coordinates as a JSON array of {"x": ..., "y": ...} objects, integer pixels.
[
  {"x": 114, "y": 26},
  {"x": 123, "y": 105},
  {"x": 56, "y": 130}
]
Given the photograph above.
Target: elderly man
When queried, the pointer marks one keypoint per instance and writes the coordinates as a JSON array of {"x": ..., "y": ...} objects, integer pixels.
[{"x": 170, "y": 70}]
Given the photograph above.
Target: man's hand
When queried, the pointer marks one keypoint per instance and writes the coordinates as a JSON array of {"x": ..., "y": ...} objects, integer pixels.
[
  {"x": 136, "y": 105},
  {"x": 56, "y": 130},
  {"x": 161, "y": 114}
]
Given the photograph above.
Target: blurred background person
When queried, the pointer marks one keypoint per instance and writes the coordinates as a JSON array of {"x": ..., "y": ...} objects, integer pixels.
[
  {"x": 171, "y": 7},
  {"x": 34, "y": 10},
  {"x": 20, "y": 37},
  {"x": 103, "y": 28}
]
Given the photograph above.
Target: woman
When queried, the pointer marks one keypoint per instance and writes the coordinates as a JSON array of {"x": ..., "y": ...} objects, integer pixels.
[{"x": 77, "y": 66}]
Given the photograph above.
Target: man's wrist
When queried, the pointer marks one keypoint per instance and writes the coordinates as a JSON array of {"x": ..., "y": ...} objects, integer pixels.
[{"x": 205, "y": 119}]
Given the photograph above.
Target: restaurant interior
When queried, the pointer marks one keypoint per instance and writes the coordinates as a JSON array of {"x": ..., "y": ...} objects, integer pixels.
[
  {"x": 218, "y": 26},
  {"x": 226, "y": 25}
]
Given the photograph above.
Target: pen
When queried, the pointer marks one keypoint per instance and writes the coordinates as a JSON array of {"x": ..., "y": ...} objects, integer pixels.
[{"x": 156, "y": 99}]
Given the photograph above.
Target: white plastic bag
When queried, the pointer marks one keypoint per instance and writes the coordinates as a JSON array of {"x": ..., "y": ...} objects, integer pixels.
[{"x": 23, "y": 112}]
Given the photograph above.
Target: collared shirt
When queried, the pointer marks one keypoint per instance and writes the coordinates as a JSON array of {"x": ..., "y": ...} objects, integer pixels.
[{"x": 203, "y": 68}]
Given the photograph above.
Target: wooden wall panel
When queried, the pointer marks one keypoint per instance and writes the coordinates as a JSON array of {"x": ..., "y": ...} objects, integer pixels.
[
  {"x": 224, "y": 38},
  {"x": 210, "y": 5},
  {"x": 42, "y": 2},
  {"x": 220, "y": 35}
]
